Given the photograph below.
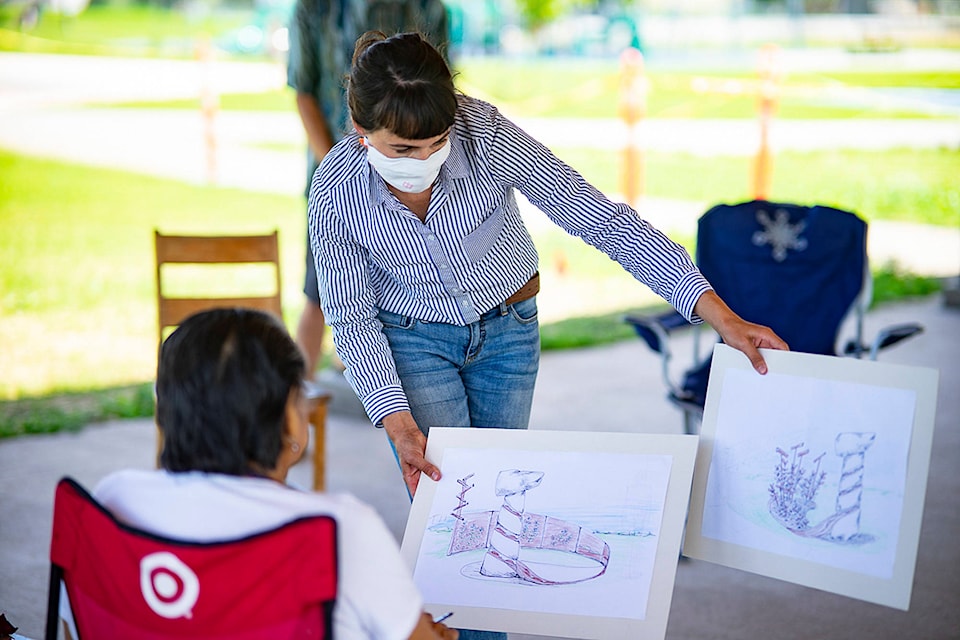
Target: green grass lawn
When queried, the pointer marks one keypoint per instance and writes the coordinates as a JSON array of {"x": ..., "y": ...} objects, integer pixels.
[
  {"x": 77, "y": 307},
  {"x": 130, "y": 30},
  {"x": 915, "y": 185},
  {"x": 76, "y": 284}
]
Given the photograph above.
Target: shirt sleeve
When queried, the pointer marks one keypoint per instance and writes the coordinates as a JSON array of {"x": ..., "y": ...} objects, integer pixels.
[
  {"x": 349, "y": 303},
  {"x": 583, "y": 211},
  {"x": 377, "y": 597}
]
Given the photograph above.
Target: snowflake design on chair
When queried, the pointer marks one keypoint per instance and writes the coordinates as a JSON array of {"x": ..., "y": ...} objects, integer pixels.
[{"x": 779, "y": 234}]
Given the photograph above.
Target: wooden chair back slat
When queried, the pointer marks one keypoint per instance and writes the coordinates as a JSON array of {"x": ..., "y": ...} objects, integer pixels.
[{"x": 210, "y": 250}]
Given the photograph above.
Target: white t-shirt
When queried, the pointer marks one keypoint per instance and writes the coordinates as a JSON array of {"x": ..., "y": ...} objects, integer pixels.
[{"x": 376, "y": 599}]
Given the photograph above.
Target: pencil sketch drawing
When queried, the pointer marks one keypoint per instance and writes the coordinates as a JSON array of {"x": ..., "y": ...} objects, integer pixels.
[
  {"x": 793, "y": 492},
  {"x": 514, "y": 538}
]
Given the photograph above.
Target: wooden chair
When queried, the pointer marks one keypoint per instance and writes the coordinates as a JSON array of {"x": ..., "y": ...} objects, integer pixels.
[{"x": 239, "y": 251}]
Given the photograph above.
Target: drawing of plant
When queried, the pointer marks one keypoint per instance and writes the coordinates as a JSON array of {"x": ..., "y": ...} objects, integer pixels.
[{"x": 793, "y": 491}]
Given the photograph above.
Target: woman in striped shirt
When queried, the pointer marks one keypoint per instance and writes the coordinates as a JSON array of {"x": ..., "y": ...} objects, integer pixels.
[{"x": 426, "y": 272}]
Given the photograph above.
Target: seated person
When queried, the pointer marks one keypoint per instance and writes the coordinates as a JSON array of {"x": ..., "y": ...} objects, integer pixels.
[{"x": 233, "y": 414}]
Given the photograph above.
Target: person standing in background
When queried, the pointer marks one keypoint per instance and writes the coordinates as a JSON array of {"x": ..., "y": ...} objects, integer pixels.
[{"x": 322, "y": 38}]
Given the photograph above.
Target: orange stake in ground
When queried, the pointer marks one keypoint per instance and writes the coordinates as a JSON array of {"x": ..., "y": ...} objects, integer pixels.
[
  {"x": 767, "y": 96},
  {"x": 633, "y": 108}
]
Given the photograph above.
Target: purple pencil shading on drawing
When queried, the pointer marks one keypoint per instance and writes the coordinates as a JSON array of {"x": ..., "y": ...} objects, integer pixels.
[
  {"x": 503, "y": 551},
  {"x": 794, "y": 490},
  {"x": 521, "y": 546}
]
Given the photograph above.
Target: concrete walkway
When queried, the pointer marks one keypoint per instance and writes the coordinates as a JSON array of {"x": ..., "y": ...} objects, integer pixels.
[{"x": 615, "y": 388}]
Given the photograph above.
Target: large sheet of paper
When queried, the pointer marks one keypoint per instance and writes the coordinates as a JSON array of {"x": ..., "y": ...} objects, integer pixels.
[
  {"x": 814, "y": 473},
  {"x": 563, "y": 534}
]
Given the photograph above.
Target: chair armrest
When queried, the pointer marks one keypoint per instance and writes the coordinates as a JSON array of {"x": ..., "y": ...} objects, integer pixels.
[
  {"x": 655, "y": 329},
  {"x": 893, "y": 334},
  {"x": 886, "y": 337}
]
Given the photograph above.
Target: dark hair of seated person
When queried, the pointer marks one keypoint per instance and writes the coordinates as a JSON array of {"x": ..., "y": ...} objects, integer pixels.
[{"x": 223, "y": 380}]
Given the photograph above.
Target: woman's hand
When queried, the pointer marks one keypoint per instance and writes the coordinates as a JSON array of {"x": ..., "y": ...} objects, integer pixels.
[
  {"x": 410, "y": 444},
  {"x": 737, "y": 332}
]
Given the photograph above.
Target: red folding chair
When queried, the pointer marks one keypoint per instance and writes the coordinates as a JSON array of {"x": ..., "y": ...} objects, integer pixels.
[{"x": 126, "y": 583}]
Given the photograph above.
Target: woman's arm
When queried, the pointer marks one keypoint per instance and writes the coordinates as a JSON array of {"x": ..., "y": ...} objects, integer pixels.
[
  {"x": 411, "y": 445},
  {"x": 576, "y": 206},
  {"x": 737, "y": 332},
  {"x": 616, "y": 229},
  {"x": 349, "y": 303},
  {"x": 314, "y": 125}
]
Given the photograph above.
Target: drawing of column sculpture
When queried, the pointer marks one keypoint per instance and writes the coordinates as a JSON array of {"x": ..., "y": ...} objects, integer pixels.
[
  {"x": 503, "y": 551},
  {"x": 851, "y": 446}
]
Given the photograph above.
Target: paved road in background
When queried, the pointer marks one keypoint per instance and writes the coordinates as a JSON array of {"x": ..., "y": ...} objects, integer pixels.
[{"x": 45, "y": 112}]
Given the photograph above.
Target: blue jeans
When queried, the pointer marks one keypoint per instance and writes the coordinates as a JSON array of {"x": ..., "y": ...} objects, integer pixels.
[{"x": 480, "y": 375}]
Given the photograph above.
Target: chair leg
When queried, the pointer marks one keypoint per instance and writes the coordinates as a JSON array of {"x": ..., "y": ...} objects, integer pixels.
[
  {"x": 53, "y": 602},
  {"x": 159, "y": 444},
  {"x": 689, "y": 423},
  {"x": 318, "y": 418}
]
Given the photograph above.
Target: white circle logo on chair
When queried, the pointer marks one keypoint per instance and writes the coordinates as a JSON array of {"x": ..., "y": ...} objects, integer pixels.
[{"x": 169, "y": 586}]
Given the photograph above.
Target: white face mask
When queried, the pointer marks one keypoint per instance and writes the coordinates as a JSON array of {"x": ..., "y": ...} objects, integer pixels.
[{"x": 408, "y": 174}]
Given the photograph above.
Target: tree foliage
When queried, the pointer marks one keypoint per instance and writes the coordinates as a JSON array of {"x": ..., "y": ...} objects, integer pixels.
[{"x": 536, "y": 13}]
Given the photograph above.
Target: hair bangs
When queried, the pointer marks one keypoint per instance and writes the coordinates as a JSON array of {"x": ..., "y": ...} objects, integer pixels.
[{"x": 417, "y": 111}]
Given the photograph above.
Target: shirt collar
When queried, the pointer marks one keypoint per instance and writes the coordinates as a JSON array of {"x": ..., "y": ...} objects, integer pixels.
[
  {"x": 456, "y": 165},
  {"x": 379, "y": 194}
]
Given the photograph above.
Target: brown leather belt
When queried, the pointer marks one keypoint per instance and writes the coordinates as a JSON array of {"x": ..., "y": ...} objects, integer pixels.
[{"x": 527, "y": 291}]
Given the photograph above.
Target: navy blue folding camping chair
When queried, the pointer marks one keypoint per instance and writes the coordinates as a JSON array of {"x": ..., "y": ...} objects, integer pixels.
[{"x": 802, "y": 271}]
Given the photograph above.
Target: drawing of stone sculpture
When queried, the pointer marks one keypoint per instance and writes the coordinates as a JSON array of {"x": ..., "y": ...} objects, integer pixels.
[
  {"x": 521, "y": 546},
  {"x": 794, "y": 490}
]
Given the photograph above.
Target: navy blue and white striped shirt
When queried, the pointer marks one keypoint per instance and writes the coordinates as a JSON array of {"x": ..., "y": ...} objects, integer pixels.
[{"x": 472, "y": 251}]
